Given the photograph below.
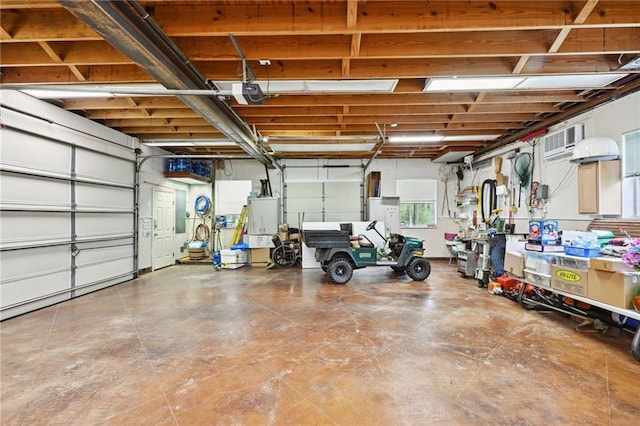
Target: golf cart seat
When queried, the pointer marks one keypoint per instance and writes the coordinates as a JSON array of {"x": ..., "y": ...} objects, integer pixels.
[{"x": 363, "y": 241}]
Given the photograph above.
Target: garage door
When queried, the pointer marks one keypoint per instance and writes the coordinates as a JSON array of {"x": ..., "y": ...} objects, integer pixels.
[
  {"x": 67, "y": 212},
  {"x": 323, "y": 194}
]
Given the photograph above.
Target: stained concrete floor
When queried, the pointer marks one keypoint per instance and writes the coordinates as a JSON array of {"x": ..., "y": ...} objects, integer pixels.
[{"x": 191, "y": 346}]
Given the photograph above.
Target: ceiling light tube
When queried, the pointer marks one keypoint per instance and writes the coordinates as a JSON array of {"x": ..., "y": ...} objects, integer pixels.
[{"x": 415, "y": 138}]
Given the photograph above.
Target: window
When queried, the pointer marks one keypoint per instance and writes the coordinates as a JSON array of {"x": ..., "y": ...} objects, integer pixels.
[
  {"x": 631, "y": 153},
  {"x": 417, "y": 202}
]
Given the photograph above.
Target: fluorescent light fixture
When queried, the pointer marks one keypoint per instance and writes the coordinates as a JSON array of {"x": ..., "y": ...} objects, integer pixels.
[
  {"x": 318, "y": 86},
  {"x": 480, "y": 84},
  {"x": 322, "y": 147},
  {"x": 471, "y": 83},
  {"x": 415, "y": 138},
  {"x": 450, "y": 156},
  {"x": 439, "y": 138},
  {"x": 349, "y": 86},
  {"x": 631, "y": 65},
  {"x": 469, "y": 138},
  {"x": 569, "y": 81}
]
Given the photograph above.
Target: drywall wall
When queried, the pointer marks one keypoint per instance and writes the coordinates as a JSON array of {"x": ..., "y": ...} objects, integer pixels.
[{"x": 612, "y": 120}]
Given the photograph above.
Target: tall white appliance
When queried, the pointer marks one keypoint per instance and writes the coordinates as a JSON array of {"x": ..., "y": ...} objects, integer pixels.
[{"x": 387, "y": 210}]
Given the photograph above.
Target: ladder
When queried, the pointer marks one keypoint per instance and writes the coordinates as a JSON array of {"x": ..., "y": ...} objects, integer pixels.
[{"x": 237, "y": 234}]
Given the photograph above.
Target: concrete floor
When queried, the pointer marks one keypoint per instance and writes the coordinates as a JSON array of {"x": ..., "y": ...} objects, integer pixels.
[{"x": 188, "y": 345}]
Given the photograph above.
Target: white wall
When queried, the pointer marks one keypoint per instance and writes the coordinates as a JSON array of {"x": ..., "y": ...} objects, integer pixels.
[
  {"x": 152, "y": 176},
  {"x": 612, "y": 119}
]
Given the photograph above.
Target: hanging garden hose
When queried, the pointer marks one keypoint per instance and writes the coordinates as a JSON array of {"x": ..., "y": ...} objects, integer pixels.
[
  {"x": 202, "y": 205},
  {"x": 202, "y": 233}
]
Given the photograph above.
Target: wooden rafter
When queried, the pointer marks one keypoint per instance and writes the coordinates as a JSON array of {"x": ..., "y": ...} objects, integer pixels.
[{"x": 407, "y": 41}]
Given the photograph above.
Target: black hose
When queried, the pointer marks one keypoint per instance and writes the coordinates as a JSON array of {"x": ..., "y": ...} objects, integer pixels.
[{"x": 491, "y": 196}]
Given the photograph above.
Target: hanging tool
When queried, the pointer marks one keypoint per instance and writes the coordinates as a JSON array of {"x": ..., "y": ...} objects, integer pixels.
[
  {"x": 522, "y": 167},
  {"x": 266, "y": 171},
  {"x": 445, "y": 199}
]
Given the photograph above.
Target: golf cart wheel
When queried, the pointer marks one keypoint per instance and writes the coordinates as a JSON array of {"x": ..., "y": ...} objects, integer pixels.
[
  {"x": 398, "y": 269},
  {"x": 635, "y": 345},
  {"x": 340, "y": 270},
  {"x": 283, "y": 256},
  {"x": 418, "y": 268}
]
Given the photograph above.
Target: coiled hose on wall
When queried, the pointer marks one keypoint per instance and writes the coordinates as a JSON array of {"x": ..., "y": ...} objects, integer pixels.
[
  {"x": 202, "y": 206},
  {"x": 489, "y": 199}
]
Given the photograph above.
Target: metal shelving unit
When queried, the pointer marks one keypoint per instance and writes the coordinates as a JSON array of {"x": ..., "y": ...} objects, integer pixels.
[{"x": 629, "y": 313}]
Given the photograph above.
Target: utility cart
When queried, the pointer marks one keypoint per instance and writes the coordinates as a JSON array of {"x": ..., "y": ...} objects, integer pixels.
[{"x": 338, "y": 257}]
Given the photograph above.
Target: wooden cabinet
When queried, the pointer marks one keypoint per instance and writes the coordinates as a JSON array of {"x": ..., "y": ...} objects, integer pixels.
[
  {"x": 600, "y": 188},
  {"x": 373, "y": 184}
]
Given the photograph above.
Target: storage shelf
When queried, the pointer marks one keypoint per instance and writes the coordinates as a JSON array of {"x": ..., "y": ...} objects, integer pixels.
[
  {"x": 186, "y": 177},
  {"x": 630, "y": 313}
]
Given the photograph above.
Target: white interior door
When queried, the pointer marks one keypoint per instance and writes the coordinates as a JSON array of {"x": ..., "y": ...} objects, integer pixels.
[{"x": 163, "y": 228}]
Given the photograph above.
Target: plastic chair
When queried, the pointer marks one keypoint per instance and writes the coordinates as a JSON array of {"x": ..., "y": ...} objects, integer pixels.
[{"x": 451, "y": 245}]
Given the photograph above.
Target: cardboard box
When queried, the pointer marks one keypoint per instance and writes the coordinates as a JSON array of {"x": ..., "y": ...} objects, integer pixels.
[
  {"x": 545, "y": 231},
  {"x": 233, "y": 259},
  {"x": 260, "y": 256},
  {"x": 569, "y": 280},
  {"x": 613, "y": 288},
  {"x": 514, "y": 263},
  {"x": 259, "y": 241},
  {"x": 609, "y": 264}
]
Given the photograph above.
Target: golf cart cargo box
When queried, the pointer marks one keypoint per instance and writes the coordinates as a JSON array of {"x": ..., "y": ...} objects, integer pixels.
[{"x": 326, "y": 238}]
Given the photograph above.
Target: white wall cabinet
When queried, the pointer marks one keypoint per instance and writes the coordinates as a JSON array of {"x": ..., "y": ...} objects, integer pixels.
[
  {"x": 264, "y": 215},
  {"x": 600, "y": 188}
]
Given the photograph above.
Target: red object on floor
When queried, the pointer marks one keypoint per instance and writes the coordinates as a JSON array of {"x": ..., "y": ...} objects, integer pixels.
[{"x": 507, "y": 282}]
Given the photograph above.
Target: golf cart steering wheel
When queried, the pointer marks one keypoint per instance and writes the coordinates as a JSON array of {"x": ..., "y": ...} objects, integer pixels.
[{"x": 372, "y": 225}]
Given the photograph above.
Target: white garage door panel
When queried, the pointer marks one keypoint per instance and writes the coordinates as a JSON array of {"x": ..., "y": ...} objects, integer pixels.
[
  {"x": 18, "y": 264},
  {"x": 292, "y": 218},
  {"x": 304, "y": 204},
  {"x": 92, "y": 196},
  {"x": 109, "y": 169},
  {"x": 345, "y": 173},
  {"x": 90, "y": 256},
  {"x": 26, "y": 150},
  {"x": 343, "y": 189},
  {"x": 21, "y": 189},
  {"x": 304, "y": 189},
  {"x": 341, "y": 216},
  {"x": 103, "y": 271},
  {"x": 103, "y": 224},
  {"x": 33, "y": 288},
  {"x": 342, "y": 205},
  {"x": 34, "y": 226}
]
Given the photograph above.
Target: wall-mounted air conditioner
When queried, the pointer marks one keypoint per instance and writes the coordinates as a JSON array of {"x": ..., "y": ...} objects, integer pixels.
[{"x": 560, "y": 144}]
